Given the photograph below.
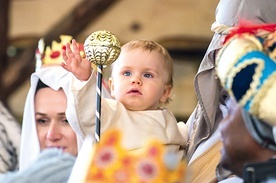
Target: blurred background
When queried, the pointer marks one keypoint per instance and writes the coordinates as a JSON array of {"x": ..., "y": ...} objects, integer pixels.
[{"x": 181, "y": 26}]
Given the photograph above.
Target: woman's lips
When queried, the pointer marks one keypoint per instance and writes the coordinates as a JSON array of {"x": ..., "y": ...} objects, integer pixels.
[{"x": 58, "y": 147}]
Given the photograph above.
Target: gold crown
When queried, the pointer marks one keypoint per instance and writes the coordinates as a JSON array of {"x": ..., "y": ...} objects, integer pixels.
[
  {"x": 53, "y": 54},
  {"x": 110, "y": 162}
]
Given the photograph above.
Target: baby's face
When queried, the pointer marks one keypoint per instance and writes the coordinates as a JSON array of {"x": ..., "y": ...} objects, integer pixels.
[{"x": 139, "y": 80}]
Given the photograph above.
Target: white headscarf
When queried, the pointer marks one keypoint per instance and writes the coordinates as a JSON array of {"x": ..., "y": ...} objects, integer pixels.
[{"x": 55, "y": 77}]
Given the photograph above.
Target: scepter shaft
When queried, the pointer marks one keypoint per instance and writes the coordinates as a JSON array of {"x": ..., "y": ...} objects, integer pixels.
[{"x": 99, "y": 102}]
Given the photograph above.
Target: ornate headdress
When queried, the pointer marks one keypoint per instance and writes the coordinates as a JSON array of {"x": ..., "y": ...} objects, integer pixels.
[
  {"x": 246, "y": 67},
  {"x": 52, "y": 55},
  {"x": 109, "y": 161}
]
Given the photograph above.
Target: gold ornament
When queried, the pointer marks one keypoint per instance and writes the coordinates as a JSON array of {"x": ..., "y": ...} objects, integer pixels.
[{"x": 102, "y": 47}]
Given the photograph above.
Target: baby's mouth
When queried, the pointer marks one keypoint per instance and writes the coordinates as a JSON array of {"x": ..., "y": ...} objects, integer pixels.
[{"x": 135, "y": 91}]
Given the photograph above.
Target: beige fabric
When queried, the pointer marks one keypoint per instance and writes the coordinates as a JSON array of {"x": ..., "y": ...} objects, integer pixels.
[
  {"x": 137, "y": 126},
  {"x": 202, "y": 169}
]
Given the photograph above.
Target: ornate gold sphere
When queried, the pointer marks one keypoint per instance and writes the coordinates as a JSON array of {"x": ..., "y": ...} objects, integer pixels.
[{"x": 102, "y": 47}]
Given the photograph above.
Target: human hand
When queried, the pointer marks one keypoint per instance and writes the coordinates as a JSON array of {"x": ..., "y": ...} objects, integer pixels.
[{"x": 74, "y": 63}]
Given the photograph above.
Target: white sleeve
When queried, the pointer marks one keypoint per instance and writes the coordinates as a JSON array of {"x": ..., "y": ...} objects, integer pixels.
[{"x": 81, "y": 105}]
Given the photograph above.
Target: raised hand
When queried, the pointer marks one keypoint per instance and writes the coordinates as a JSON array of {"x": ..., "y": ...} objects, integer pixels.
[{"x": 74, "y": 63}]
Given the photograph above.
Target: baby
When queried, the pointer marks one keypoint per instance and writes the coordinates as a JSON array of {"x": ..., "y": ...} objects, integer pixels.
[{"x": 141, "y": 82}]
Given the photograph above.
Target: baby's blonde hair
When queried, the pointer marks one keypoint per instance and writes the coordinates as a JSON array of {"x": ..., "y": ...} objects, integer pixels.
[{"x": 153, "y": 46}]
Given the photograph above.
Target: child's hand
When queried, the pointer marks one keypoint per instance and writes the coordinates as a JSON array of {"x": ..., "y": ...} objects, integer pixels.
[{"x": 73, "y": 62}]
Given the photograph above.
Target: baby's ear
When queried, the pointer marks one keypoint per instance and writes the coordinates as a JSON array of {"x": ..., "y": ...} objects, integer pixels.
[
  {"x": 111, "y": 86},
  {"x": 166, "y": 93}
]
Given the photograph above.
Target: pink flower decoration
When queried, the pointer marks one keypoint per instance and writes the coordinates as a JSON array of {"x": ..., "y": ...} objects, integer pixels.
[
  {"x": 105, "y": 157},
  {"x": 147, "y": 169}
]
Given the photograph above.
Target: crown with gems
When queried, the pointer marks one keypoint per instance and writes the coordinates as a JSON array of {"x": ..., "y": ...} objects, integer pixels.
[
  {"x": 52, "y": 55},
  {"x": 246, "y": 67},
  {"x": 109, "y": 161}
]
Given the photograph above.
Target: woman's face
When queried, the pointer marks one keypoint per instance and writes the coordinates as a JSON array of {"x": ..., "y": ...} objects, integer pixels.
[{"x": 53, "y": 129}]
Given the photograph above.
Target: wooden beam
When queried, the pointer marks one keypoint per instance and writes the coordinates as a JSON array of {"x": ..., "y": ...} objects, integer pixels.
[
  {"x": 20, "y": 69},
  {"x": 4, "y": 17}
]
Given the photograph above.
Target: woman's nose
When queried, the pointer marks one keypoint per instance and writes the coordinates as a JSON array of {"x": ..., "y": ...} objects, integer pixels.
[{"x": 53, "y": 132}]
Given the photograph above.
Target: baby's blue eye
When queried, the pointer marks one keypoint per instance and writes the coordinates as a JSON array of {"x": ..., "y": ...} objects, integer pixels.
[
  {"x": 127, "y": 73},
  {"x": 148, "y": 75}
]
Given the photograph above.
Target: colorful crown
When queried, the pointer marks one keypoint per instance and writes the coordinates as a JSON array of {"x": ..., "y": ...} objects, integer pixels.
[
  {"x": 53, "y": 54},
  {"x": 246, "y": 67},
  {"x": 110, "y": 162}
]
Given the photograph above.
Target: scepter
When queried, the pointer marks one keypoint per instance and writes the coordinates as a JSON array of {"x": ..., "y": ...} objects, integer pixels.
[{"x": 101, "y": 48}]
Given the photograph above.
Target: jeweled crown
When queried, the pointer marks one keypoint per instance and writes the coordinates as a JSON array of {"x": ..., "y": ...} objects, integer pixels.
[
  {"x": 52, "y": 55},
  {"x": 246, "y": 67}
]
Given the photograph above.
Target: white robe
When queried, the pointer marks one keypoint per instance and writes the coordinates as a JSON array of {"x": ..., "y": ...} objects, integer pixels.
[{"x": 137, "y": 126}]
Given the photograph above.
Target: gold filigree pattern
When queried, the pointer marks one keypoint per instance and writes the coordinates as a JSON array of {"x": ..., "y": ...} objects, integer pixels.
[
  {"x": 232, "y": 51},
  {"x": 102, "y": 47},
  {"x": 263, "y": 104}
]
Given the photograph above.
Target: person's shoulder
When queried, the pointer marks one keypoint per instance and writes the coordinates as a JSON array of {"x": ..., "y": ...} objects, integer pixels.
[{"x": 9, "y": 140}]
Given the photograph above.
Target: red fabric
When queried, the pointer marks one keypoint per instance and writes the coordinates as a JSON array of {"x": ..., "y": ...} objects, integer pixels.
[{"x": 248, "y": 27}]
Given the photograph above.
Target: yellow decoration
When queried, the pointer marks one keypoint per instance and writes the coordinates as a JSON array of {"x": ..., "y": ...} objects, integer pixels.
[{"x": 111, "y": 163}]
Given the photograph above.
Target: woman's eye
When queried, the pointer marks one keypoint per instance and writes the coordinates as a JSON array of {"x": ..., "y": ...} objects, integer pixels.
[
  {"x": 127, "y": 73},
  {"x": 65, "y": 121},
  {"x": 41, "y": 121},
  {"x": 148, "y": 75}
]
